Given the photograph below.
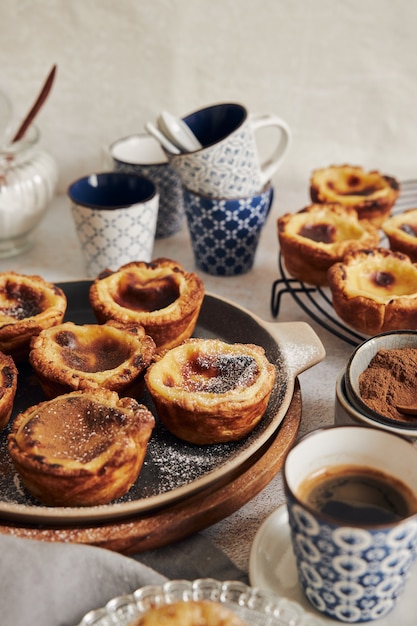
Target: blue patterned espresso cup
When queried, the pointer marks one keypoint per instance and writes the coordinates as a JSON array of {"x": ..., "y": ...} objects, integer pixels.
[
  {"x": 352, "y": 505},
  {"x": 229, "y": 164},
  {"x": 225, "y": 232},
  {"x": 115, "y": 217},
  {"x": 142, "y": 155}
]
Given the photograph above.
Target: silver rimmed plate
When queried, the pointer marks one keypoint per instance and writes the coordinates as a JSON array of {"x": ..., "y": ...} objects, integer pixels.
[
  {"x": 173, "y": 469},
  {"x": 254, "y": 606}
]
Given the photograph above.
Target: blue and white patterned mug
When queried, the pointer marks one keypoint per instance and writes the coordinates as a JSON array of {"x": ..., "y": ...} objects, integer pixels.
[
  {"x": 142, "y": 155},
  {"x": 351, "y": 568},
  {"x": 225, "y": 232},
  {"x": 115, "y": 218},
  {"x": 229, "y": 164}
]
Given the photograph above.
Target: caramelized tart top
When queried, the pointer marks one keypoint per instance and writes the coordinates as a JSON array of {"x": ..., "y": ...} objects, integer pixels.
[
  {"x": 327, "y": 226},
  {"x": 160, "y": 289},
  {"x": 379, "y": 274},
  {"x": 24, "y": 297},
  {"x": 92, "y": 355},
  {"x": 79, "y": 429},
  {"x": 351, "y": 184},
  {"x": 207, "y": 371}
]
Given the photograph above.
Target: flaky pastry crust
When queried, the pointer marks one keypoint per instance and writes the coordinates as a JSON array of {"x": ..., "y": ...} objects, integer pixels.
[
  {"x": 161, "y": 296},
  {"x": 189, "y": 613},
  {"x": 28, "y": 305},
  {"x": 8, "y": 386},
  {"x": 371, "y": 194},
  {"x": 318, "y": 236},
  {"x": 375, "y": 290},
  {"x": 401, "y": 231},
  {"x": 82, "y": 448},
  {"x": 69, "y": 357},
  {"x": 207, "y": 391}
]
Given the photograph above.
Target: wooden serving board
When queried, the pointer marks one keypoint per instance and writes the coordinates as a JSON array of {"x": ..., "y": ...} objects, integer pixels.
[{"x": 178, "y": 521}]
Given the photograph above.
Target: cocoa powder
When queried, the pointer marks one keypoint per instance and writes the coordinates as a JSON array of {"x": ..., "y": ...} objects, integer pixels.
[{"x": 390, "y": 379}]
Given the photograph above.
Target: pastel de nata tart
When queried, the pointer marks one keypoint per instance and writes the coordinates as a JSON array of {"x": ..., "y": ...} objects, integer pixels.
[
  {"x": 8, "y": 386},
  {"x": 207, "y": 391},
  {"x": 28, "y": 305},
  {"x": 401, "y": 231},
  {"x": 318, "y": 236},
  {"x": 370, "y": 193},
  {"x": 71, "y": 357},
  {"x": 375, "y": 290},
  {"x": 161, "y": 296},
  {"x": 189, "y": 613},
  {"x": 82, "y": 448}
]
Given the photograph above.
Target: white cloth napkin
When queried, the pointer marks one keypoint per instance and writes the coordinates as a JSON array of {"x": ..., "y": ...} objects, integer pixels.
[{"x": 56, "y": 584}]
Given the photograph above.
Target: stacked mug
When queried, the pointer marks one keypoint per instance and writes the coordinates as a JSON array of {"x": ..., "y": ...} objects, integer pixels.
[{"x": 227, "y": 190}]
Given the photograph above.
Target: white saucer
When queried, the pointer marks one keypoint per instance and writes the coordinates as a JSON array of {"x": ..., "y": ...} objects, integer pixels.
[{"x": 272, "y": 567}]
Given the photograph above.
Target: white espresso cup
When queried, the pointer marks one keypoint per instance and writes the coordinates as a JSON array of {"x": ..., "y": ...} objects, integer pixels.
[
  {"x": 115, "y": 217},
  {"x": 229, "y": 164}
]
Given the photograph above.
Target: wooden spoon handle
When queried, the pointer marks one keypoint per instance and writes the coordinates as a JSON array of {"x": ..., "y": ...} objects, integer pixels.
[
  {"x": 407, "y": 410},
  {"x": 36, "y": 106}
]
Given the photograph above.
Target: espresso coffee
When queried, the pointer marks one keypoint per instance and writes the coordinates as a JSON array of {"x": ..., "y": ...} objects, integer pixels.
[{"x": 358, "y": 495}]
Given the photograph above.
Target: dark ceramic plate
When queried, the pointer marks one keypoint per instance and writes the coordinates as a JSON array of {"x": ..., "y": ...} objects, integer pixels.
[{"x": 172, "y": 469}]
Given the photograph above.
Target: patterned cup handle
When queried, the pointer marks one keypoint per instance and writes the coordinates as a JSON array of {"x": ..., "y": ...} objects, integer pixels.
[{"x": 272, "y": 164}]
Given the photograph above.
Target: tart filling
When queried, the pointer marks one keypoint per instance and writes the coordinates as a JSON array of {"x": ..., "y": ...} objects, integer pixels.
[
  {"x": 28, "y": 305},
  {"x": 371, "y": 193},
  {"x": 189, "y": 613},
  {"x": 207, "y": 391},
  {"x": 401, "y": 231},
  {"x": 8, "y": 386},
  {"x": 375, "y": 290},
  {"x": 82, "y": 448},
  {"x": 160, "y": 296},
  {"x": 69, "y": 357},
  {"x": 319, "y": 235}
]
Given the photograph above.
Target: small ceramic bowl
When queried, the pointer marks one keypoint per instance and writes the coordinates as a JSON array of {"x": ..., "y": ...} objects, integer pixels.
[
  {"x": 345, "y": 413},
  {"x": 358, "y": 363}
]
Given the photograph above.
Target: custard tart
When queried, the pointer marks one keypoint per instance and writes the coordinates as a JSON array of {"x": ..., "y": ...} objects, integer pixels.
[
  {"x": 8, "y": 386},
  {"x": 401, "y": 231},
  {"x": 370, "y": 193},
  {"x": 161, "y": 296},
  {"x": 207, "y": 391},
  {"x": 28, "y": 305},
  {"x": 189, "y": 613},
  {"x": 375, "y": 290},
  {"x": 71, "y": 357},
  {"x": 318, "y": 236},
  {"x": 82, "y": 448}
]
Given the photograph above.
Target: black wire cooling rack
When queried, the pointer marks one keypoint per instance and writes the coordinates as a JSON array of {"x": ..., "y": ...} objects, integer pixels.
[{"x": 316, "y": 301}]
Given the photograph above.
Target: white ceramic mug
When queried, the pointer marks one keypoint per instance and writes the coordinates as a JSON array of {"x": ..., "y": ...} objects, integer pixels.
[
  {"x": 115, "y": 218},
  {"x": 142, "y": 155},
  {"x": 353, "y": 556},
  {"x": 229, "y": 164}
]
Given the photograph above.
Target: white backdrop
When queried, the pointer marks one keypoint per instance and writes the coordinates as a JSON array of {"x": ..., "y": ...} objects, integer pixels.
[{"x": 343, "y": 74}]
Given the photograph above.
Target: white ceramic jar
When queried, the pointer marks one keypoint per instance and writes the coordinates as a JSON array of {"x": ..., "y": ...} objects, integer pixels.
[{"x": 28, "y": 179}]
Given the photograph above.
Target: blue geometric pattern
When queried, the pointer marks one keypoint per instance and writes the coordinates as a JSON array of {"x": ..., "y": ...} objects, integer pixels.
[
  {"x": 351, "y": 574},
  {"x": 168, "y": 183},
  {"x": 225, "y": 233},
  {"x": 111, "y": 238},
  {"x": 228, "y": 169}
]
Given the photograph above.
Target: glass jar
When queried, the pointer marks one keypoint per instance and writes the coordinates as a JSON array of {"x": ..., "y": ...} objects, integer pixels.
[{"x": 28, "y": 179}]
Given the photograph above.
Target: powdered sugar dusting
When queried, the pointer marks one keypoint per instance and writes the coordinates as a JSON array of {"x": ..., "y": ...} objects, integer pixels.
[{"x": 170, "y": 463}]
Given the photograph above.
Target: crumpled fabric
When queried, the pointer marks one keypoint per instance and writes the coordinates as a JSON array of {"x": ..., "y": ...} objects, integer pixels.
[{"x": 56, "y": 584}]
